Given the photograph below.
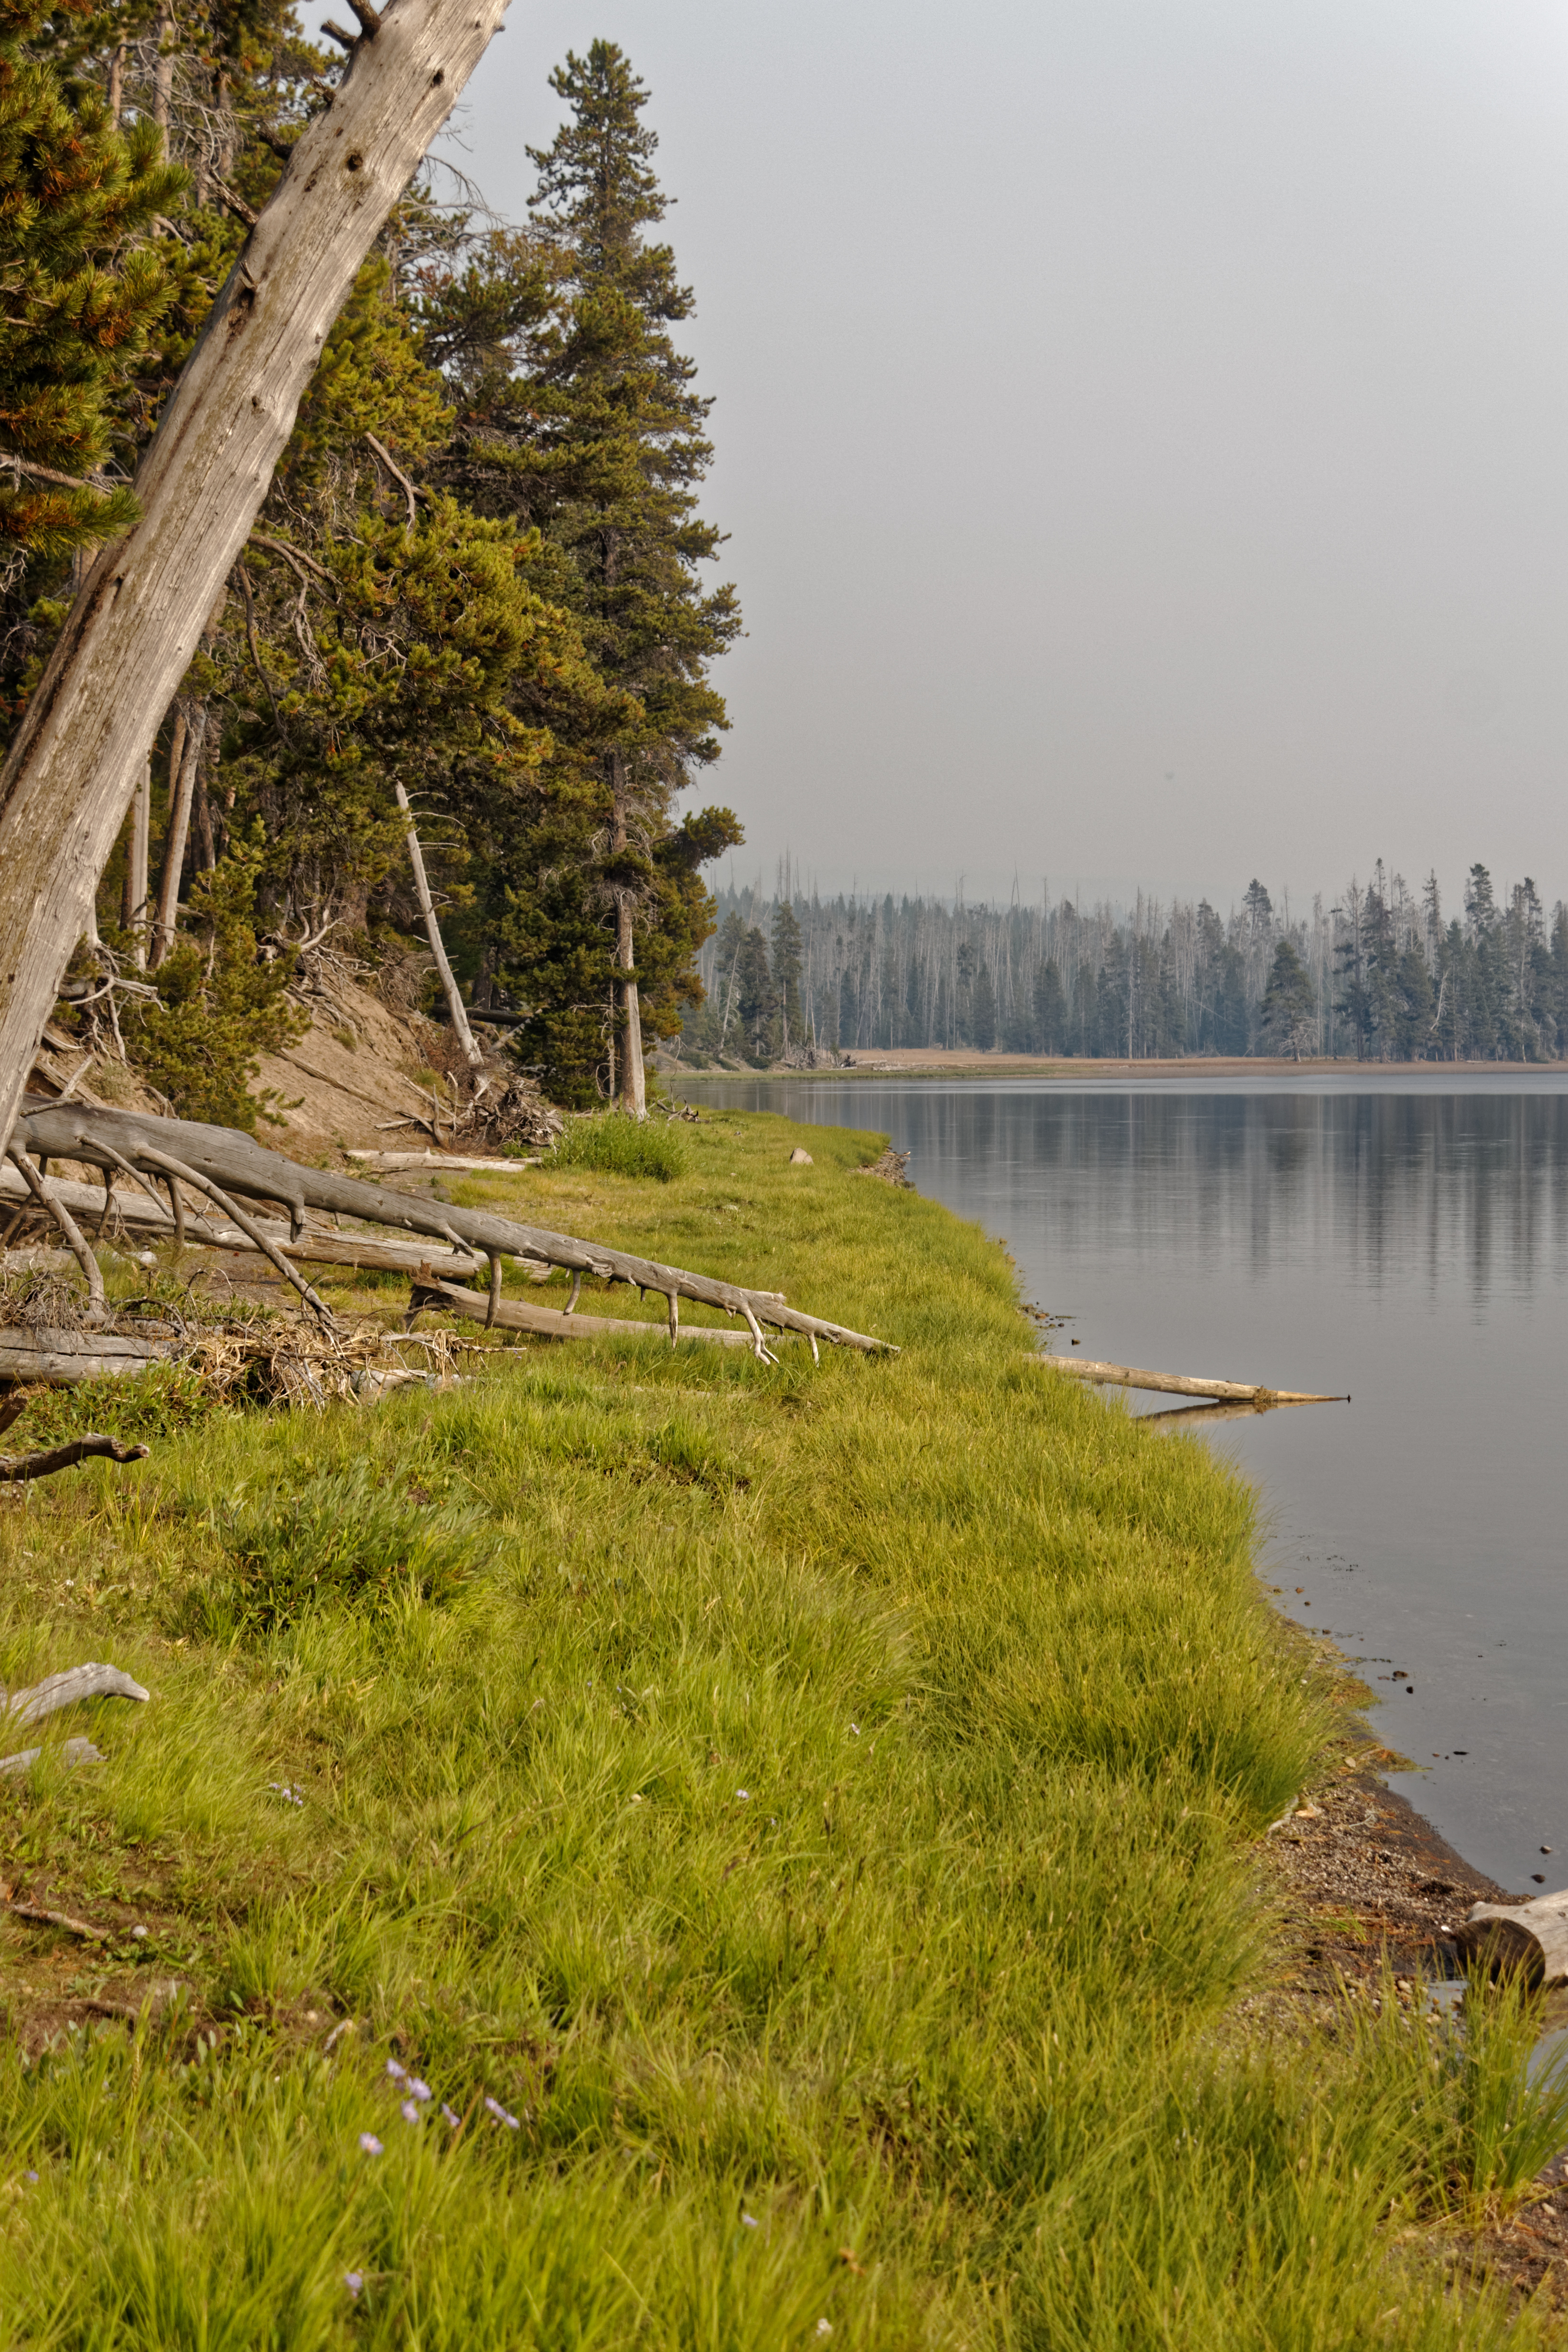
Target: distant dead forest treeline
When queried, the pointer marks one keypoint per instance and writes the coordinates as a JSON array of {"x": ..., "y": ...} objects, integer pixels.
[{"x": 1385, "y": 974}]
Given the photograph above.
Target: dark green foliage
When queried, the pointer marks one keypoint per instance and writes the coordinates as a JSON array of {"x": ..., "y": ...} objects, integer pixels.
[
  {"x": 786, "y": 967},
  {"x": 220, "y": 1002},
  {"x": 618, "y": 1146},
  {"x": 756, "y": 999},
  {"x": 137, "y": 1408},
  {"x": 1289, "y": 1006}
]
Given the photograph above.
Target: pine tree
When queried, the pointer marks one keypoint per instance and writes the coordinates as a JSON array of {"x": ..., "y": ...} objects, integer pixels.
[
  {"x": 787, "y": 973},
  {"x": 1289, "y": 1007},
  {"x": 578, "y": 415},
  {"x": 84, "y": 286}
]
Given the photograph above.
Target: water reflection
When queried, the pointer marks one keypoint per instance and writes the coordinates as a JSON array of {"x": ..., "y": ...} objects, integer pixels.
[{"x": 1407, "y": 1244}]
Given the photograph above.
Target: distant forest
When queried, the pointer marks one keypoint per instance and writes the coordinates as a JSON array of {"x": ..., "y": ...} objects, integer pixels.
[{"x": 1385, "y": 974}]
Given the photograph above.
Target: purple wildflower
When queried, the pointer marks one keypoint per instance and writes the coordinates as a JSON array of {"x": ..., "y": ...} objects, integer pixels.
[
  {"x": 410, "y": 2112},
  {"x": 417, "y": 2089},
  {"x": 29, "y": 2175},
  {"x": 370, "y": 2143},
  {"x": 453, "y": 2117},
  {"x": 750, "y": 2222},
  {"x": 353, "y": 2281},
  {"x": 398, "y": 2074},
  {"x": 501, "y": 2114}
]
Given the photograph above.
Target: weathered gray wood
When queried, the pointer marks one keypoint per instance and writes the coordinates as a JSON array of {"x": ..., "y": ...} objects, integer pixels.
[
  {"x": 456, "y": 1008},
  {"x": 16, "y": 1467},
  {"x": 48, "y": 1199},
  {"x": 71, "y": 1356},
  {"x": 72, "y": 1752},
  {"x": 128, "y": 638},
  {"x": 437, "y": 1161},
  {"x": 1126, "y": 1376},
  {"x": 68, "y": 1689},
  {"x": 70, "y": 1131},
  {"x": 549, "y": 1323},
  {"x": 1525, "y": 1939},
  {"x": 141, "y": 1215},
  {"x": 247, "y": 1225}
]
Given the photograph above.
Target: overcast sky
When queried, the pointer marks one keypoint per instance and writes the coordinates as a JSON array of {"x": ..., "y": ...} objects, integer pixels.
[{"x": 1140, "y": 425}]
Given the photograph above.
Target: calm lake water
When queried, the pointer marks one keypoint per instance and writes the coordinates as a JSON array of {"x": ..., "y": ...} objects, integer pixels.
[{"x": 1403, "y": 1238}]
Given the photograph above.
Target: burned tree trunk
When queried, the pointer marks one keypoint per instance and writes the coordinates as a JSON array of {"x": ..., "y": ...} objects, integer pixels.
[{"x": 134, "y": 628}]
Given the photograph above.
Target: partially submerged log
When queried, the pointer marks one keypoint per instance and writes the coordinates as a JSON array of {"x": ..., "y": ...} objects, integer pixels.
[
  {"x": 1529, "y": 1941},
  {"x": 237, "y": 1163},
  {"x": 554, "y": 1323},
  {"x": 1192, "y": 1384}
]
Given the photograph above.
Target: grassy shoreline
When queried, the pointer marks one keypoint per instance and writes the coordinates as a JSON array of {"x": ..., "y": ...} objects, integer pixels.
[{"x": 814, "y": 1805}]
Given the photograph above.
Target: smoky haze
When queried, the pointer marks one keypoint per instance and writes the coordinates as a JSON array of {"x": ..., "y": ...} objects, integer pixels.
[{"x": 1140, "y": 426}]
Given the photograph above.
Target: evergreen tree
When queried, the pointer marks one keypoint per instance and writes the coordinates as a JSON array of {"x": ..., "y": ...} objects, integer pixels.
[
  {"x": 757, "y": 998},
  {"x": 1289, "y": 1006},
  {"x": 786, "y": 975},
  {"x": 1051, "y": 1009},
  {"x": 983, "y": 1010}
]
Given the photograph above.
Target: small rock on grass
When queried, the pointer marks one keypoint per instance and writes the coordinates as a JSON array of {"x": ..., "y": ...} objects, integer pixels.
[{"x": 799, "y": 1158}]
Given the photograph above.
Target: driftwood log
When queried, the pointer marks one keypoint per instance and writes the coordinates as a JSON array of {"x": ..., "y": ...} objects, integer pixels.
[
  {"x": 1192, "y": 1384},
  {"x": 1529, "y": 1941},
  {"x": 554, "y": 1323},
  {"x": 40, "y": 1699},
  {"x": 237, "y": 1163},
  {"x": 82, "y": 747},
  {"x": 51, "y": 1354}
]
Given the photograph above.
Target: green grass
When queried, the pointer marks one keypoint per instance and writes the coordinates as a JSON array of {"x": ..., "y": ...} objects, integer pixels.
[
  {"x": 815, "y": 1803},
  {"x": 617, "y": 1146}
]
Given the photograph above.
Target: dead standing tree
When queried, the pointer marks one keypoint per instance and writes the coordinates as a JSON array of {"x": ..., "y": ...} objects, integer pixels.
[{"x": 82, "y": 747}]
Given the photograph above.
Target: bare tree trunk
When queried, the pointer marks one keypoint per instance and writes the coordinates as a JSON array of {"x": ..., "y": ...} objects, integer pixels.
[
  {"x": 162, "y": 76},
  {"x": 455, "y": 1006},
  {"x": 634, "y": 1089},
  {"x": 193, "y": 733},
  {"x": 128, "y": 640},
  {"x": 135, "y": 904},
  {"x": 116, "y": 84}
]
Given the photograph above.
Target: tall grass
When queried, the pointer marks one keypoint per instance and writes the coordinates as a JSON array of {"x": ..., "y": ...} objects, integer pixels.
[
  {"x": 615, "y": 1145},
  {"x": 812, "y": 1804}
]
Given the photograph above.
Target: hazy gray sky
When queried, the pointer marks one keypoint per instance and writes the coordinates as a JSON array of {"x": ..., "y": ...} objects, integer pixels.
[{"x": 1140, "y": 424}]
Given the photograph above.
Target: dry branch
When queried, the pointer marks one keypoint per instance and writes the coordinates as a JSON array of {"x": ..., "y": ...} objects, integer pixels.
[
  {"x": 72, "y": 1751},
  {"x": 70, "y": 1131},
  {"x": 552, "y": 1323},
  {"x": 14, "y": 1468},
  {"x": 1126, "y": 1376}
]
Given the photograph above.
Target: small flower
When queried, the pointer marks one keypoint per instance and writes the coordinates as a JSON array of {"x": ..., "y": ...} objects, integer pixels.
[
  {"x": 453, "y": 2117},
  {"x": 410, "y": 2112},
  {"x": 370, "y": 2144},
  {"x": 855, "y": 1729},
  {"x": 501, "y": 2114},
  {"x": 742, "y": 1793},
  {"x": 750, "y": 2222},
  {"x": 417, "y": 2089},
  {"x": 398, "y": 2074},
  {"x": 29, "y": 2175},
  {"x": 353, "y": 2281},
  {"x": 825, "y": 2327}
]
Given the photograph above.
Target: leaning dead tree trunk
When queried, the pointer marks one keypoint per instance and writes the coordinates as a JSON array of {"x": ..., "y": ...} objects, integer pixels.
[
  {"x": 130, "y": 636},
  {"x": 1192, "y": 1384},
  {"x": 192, "y": 732},
  {"x": 225, "y": 1157},
  {"x": 455, "y": 1006}
]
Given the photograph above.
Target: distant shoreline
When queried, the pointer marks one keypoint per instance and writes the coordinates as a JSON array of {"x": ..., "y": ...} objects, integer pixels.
[{"x": 943, "y": 1062}]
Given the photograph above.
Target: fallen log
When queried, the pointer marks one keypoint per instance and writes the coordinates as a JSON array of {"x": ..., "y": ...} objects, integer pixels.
[
  {"x": 72, "y": 1752},
  {"x": 54, "y": 1355},
  {"x": 15, "y": 1467},
  {"x": 452, "y": 1161},
  {"x": 147, "y": 1218},
  {"x": 1529, "y": 1941},
  {"x": 556, "y": 1323},
  {"x": 237, "y": 1163},
  {"x": 1126, "y": 1376}
]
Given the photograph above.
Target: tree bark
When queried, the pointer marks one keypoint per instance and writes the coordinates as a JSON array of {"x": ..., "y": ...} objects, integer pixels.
[
  {"x": 191, "y": 739},
  {"x": 455, "y": 1006},
  {"x": 633, "y": 1084},
  {"x": 128, "y": 638},
  {"x": 134, "y": 904},
  {"x": 1126, "y": 1376}
]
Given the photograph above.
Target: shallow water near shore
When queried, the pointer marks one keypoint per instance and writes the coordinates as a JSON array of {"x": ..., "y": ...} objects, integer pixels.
[{"x": 1401, "y": 1236}]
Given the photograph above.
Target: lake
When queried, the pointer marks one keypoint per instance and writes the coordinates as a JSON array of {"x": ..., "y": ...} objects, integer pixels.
[{"x": 1403, "y": 1237}]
